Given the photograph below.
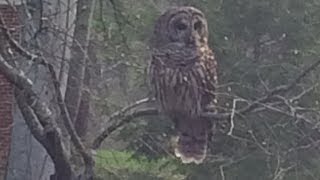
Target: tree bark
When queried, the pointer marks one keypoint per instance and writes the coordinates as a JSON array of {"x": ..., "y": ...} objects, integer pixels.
[{"x": 78, "y": 62}]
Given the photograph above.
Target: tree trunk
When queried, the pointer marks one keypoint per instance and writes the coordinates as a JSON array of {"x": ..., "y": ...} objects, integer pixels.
[{"x": 76, "y": 99}]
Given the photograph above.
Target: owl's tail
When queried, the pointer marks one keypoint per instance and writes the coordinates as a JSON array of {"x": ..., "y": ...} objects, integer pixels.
[{"x": 192, "y": 139}]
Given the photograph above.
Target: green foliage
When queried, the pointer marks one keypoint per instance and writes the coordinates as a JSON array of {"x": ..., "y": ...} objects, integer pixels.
[
  {"x": 126, "y": 165},
  {"x": 259, "y": 45},
  {"x": 123, "y": 28}
]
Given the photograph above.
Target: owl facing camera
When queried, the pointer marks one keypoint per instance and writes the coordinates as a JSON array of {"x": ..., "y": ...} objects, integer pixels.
[{"x": 183, "y": 77}]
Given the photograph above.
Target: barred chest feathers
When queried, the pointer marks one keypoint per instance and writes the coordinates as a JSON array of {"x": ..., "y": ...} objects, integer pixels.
[{"x": 181, "y": 78}]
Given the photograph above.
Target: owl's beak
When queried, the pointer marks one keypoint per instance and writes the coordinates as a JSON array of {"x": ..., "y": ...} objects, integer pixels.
[{"x": 193, "y": 39}]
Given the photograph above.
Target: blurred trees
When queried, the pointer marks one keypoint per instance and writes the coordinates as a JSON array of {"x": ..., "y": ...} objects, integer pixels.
[
  {"x": 268, "y": 57},
  {"x": 260, "y": 45}
]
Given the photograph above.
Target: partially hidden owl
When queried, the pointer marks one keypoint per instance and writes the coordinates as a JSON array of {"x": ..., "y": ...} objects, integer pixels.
[{"x": 183, "y": 75}]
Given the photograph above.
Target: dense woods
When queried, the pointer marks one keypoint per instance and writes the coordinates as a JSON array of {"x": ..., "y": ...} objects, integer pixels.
[{"x": 94, "y": 114}]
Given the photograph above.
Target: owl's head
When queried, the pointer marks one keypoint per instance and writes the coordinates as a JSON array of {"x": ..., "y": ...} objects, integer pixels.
[{"x": 184, "y": 25}]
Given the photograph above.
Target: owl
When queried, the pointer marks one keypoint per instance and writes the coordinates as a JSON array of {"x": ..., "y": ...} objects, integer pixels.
[{"x": 183, "y": 76}]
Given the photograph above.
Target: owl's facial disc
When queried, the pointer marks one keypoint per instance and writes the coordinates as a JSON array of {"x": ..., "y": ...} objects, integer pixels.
[
  {"x": 188, "y": 29},
  {"x": 199, "y": 31},
  {"x": 179, "y": 28}
]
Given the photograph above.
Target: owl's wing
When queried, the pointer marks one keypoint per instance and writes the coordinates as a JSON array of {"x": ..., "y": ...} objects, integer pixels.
[
  {"x": 209, "y": 64},
  {"x": 151, "y": 73}
]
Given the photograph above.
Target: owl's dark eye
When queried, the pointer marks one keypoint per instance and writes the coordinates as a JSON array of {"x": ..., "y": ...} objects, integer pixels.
[
  {"x": 181, "y": 26},
  {"x": 197, "y": 26}
]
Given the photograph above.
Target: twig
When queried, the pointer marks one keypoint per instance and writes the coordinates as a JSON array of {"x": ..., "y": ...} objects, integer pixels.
[
  {"x": 18, "y": 78},
  {"x": 280, "y": 89},
  {"x": 16, "y": 45},
  {"x": 289, "y": 114},
  {"x": 230, "y": 162},
  {"x": 67, "y": 120},
  {"x": 234, "y": 106},
  {"x": 252, "y": 106},
  {"x": 280, "y": 174},
  {"x": 299, "y": 96},
  {"x": 22, "y": 82},
  {"x": 222, "y": 172},
  {"x": 124, "y": 110},
  {"x": 123, "y": 119},
  {"x": 258, "y": 144}
]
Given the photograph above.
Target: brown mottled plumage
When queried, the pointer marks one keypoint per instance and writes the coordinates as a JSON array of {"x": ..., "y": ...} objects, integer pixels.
[{"x": 183, "y": 76}]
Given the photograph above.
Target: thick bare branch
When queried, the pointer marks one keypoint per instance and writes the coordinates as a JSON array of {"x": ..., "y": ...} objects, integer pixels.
[
  {"x": 79, "y": 56},
  {"x": 123, "y": 119},
  {"x": 16, "y": 45},
  {"x": 124, "y": 110},
  {"x": 23, "y": 83},
  {"x": 41, "y": 110},
  {"x": 31, "y": 120},
  {"x": 67, "y": 120},
  {"x": 37, "y": 116},
  {"x": 49, "y": 135}
]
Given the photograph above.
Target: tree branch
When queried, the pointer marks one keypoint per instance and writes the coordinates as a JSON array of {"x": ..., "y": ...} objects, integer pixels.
[
  {"x": 37, "y": 115},
  {"x": 31, "y": 120},
  {"x": 67, "y": 120},
  {"x": 49, "y": 135},
  {"x": 123, "y": 119},
  {"x": 279, "y": 89},
  {"x": 18, "y": 78},
  {"x": 42, "y": 111},
  {"x": 17, "y": 46}
]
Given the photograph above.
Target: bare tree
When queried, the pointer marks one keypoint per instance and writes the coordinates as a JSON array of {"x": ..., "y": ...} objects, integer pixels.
[{"x": 61, "y": 123}]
